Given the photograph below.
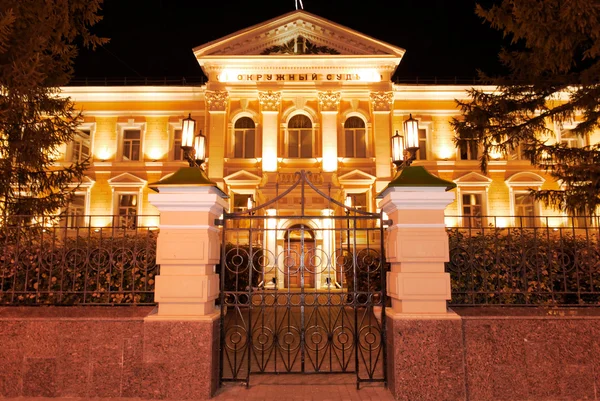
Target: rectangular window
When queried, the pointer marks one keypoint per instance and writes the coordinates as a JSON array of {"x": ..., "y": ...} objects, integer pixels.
[
  {"x": 570, "y": 140},
  {"x": 422, "y": 153},
  {"x": 132, "y": 144},
  {"x": 524, "y": 210},
  {"x": 472, "y": 210},
  {"x": 359, "y": 202},
  {"x": 80, "y": 147},
  {"x": 240, "y": 202},
  {"x": 469, "y": 150},
  {"x": 75, "y": 213},
  {"x": 177, "y": 151},
  {"x": 127, "y": 210},
  {"x": 518, "y": 153}
]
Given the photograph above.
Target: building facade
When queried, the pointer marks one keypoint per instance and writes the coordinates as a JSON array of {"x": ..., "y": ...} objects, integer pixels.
[{"x": 295, "y": 93}]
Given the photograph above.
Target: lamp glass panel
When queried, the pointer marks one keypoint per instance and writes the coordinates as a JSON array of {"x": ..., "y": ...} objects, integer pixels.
[
  {"x": 397, "y": 148},
  {"x": 411, "y": 131},
  {"x": 200, "y": 147},
  {"x": 187, "y": 132}
]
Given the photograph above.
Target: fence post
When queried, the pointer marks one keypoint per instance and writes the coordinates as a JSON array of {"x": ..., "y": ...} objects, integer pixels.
[
  {"x": 424, "y": 341},
  {"x": 182, "y": 335},
  {"x": 417, "y": 242}
]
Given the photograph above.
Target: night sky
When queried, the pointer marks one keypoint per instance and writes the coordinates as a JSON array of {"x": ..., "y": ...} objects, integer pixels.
[{"x": 154, "y": 38}]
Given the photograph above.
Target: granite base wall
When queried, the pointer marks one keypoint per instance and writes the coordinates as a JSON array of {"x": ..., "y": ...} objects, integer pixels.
[
  {"x": 496, "y": 354},
  {"x": 105, "y": 352}
]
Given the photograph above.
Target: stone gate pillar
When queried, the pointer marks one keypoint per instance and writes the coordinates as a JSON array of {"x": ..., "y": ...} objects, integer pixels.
[
  {"x": 417, "y": 243},
  {"x": 181, "y": 338},
  {"x": 423, "y": 337}
]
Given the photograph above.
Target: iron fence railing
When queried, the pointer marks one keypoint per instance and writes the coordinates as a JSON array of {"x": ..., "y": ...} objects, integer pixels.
[
  {"x": 67, "y": 260},
  {"x": 524, "y": 260}
]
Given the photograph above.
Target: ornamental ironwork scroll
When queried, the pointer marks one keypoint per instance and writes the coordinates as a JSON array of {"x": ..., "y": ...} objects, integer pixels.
[
  {"x": 302, "y": 292},
  {"x": 536, "y": 261},
  {"x": 74, "y": 260}
]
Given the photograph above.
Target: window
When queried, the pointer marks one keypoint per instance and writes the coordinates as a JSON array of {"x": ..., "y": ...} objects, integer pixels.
[
  {"x": 177, "y": 151},
  {"x": 354, "y": 138},
  {"x": 240, "y": 202},
  {"x": 127, "y": 210},
  {"x": 469, "y": 149},
  {"x": 132, "y": 144},
  {"x": 570, "y": 140},
  {"x": 518, "y": 153},
  {"x": 359, "y": 202},
  {"x": 472, "y": 209},
  {"x": 244, "y": 138},
  {"x": 422, "y": 153},
  {"x": 300, "y": 137},
  {"x": 80, "y": 146},
  {"x": 75, "y": 213},
  {"x": 525, "y": 208}
]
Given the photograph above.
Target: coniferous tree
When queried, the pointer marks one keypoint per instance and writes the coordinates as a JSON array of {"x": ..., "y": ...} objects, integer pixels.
[
  {"x": 553, "y": 82},
  {"x": 38, "y": 44}
]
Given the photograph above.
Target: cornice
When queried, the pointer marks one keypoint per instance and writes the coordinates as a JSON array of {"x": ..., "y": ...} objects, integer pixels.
[{"x": 134, "y": 93}]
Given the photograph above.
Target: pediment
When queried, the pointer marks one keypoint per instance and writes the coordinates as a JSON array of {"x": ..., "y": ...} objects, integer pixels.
[
  {"x": 127, "y": 179},
  {"x": 473, "y": 179},
  {"x": 86, "y": 182},
  {"x": 525, "y": 178},
  {"x": 357, "y": 177},
  {"x": 242, "y": 177},
  {"x": 297, "y": 33}
]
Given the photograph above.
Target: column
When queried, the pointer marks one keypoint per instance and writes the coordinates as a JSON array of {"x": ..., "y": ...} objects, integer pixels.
[
  {"x": 270, "y": 241},
  {"x": 329, "y": 103},
  {"x": 269, "y": 102},
  {"x": 382, "y": 105},
  {"x": 217, "y": 102},
  {"x": 328, "y": 248}
]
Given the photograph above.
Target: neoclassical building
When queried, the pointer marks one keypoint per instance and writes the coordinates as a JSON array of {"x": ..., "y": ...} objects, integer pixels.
[{"x": 297, "y": 92}]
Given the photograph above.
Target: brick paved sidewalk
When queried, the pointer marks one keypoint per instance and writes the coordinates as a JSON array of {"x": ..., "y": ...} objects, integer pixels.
[{"x": 303, "y": 388}]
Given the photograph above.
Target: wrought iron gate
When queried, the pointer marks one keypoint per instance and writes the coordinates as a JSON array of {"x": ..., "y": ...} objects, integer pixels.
[{"x": 303, "y": 288}]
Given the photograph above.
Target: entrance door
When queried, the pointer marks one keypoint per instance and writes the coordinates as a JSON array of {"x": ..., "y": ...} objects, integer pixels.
[{"x": 298, "y": 256}]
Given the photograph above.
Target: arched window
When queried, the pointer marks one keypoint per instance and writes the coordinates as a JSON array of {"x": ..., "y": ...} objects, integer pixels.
[
  {"x": 300, "y": 137},
  {"x": 354, "y": 138},
  {"x": 244, "y": 134}
]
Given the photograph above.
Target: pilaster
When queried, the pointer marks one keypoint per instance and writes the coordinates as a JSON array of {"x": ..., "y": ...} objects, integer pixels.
[
  {"x": 382, "y": 104},
  {"x": 329, "y": 103},
  {"x": 269, "y": 102},
  {"x": 217, "y": 103}
]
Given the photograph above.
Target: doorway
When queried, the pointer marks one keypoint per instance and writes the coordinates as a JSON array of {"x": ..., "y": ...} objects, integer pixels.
[{"x": 299, "y": 250}]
